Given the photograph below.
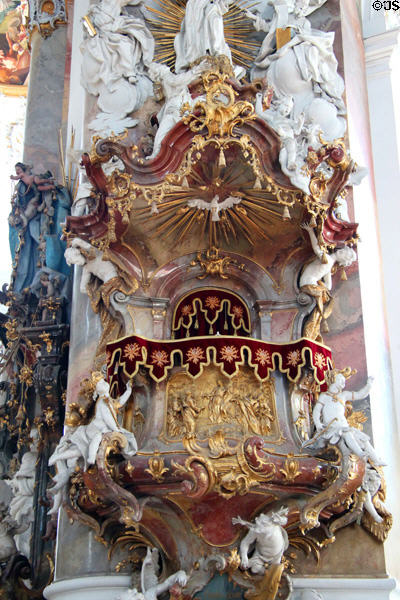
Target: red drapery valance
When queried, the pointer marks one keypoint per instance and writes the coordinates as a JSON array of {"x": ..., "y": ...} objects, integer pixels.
[{"x": 125, "y": 356}]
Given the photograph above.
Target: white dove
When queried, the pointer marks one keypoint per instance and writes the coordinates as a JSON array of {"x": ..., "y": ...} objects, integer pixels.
[{"x": 215, "y": 206}]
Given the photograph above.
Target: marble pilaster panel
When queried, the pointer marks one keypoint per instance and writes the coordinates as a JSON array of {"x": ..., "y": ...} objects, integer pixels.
[{"x": 44, "y": 115}]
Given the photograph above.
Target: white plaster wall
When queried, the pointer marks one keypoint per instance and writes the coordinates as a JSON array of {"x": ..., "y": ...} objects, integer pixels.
[{"x": 382, "y": 59}]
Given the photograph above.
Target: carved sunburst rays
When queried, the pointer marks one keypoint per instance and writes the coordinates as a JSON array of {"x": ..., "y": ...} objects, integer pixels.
[
  {"x": 175, "y": 220},
  {"x": 166, "y": 23}
]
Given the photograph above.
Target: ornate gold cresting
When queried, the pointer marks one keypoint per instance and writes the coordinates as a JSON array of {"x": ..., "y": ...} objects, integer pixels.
[
  {"x": 220, "y": 112},
  {"x": 212, "y": 264}
]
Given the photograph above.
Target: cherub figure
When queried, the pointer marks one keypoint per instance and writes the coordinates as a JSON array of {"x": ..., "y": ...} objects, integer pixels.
[
  {"x": 279, "y": 117},
  {"x": 176, "y": 94},
  {"x": 49, "y": 287},
  {"x": 332, "y": 427},
  {"x": 151, "y": 589},
  {"x": 371, "y": 485},
  {"x": 316, "y": 280},
  {"x": 82, "y": 443},
  {"x": 267, "y": 537},
  {"x": 23, "y": 173},
  {"x": 36, "y": 184}
]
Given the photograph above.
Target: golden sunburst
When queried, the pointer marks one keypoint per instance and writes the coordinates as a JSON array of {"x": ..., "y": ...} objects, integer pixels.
[
  {"x": 166, "y": 23},
  {"x": 179, "y": 215}
]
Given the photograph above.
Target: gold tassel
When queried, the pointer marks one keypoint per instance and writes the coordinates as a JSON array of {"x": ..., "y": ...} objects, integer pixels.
[
  {"x": 221, "y": 161},
  {"x": 210, "y": 331},
  {"x": 324, "y": 326},
  {"x": 196, "y": 325},
  {"x": 313, "y": 222},
  {"x": 324, "y": 259},
  {"x": 20, "y": 414},
  {"x": 286, "y": 214},
  {"x": 343, "y": 275},
  {"x": 257, "y": 184},
  {"x": 185, "y": 182},
  {"x": 225, "y": 325}
]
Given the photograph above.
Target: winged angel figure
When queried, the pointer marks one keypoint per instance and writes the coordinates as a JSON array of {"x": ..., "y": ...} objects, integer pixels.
[{"x": 151, "y": 589}]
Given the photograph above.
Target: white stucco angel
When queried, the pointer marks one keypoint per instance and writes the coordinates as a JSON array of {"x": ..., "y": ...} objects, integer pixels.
[
  {"x": 84, "y": 255},
  {"x": 176, "y": 94},
  {"x": 320, "y": 269},
  {"x": 266, "y": 540},
  {"x": 332, "y": 427},
  {"x": 80, "y": 444},
  {"x": 316, "y": 280},
  {"x": 115, "y": 54},
  {"x": 201, "y": 33},
  {"x": 21, "y": 506},
  {"x": 151, "y": 589},
  {"x": 304, "y": 68}
]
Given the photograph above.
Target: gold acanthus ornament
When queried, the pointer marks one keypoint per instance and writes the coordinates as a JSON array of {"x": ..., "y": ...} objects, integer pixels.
[{"x": 212, "y": 264}]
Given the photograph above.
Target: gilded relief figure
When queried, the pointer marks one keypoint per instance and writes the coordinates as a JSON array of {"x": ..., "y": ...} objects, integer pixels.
[
  {"x": 242, "y": 404},
  {"x": 189, "y": 412}
]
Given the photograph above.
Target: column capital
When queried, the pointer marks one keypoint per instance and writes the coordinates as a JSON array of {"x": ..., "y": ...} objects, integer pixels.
[
  {"x": 45, "y": 17},
  {"x": 379, "y": 50}
]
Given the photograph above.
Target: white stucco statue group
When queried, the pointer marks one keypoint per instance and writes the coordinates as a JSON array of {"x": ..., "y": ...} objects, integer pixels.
[
  {"x": 79, "y": 445},
  {"x": 117, "y": 67},
  {"x": 303, "y": 74},
  {"x": 116, "y": 51},
  {"x": 151, "y": 588},
  {"x": 266, "y": 540}
]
